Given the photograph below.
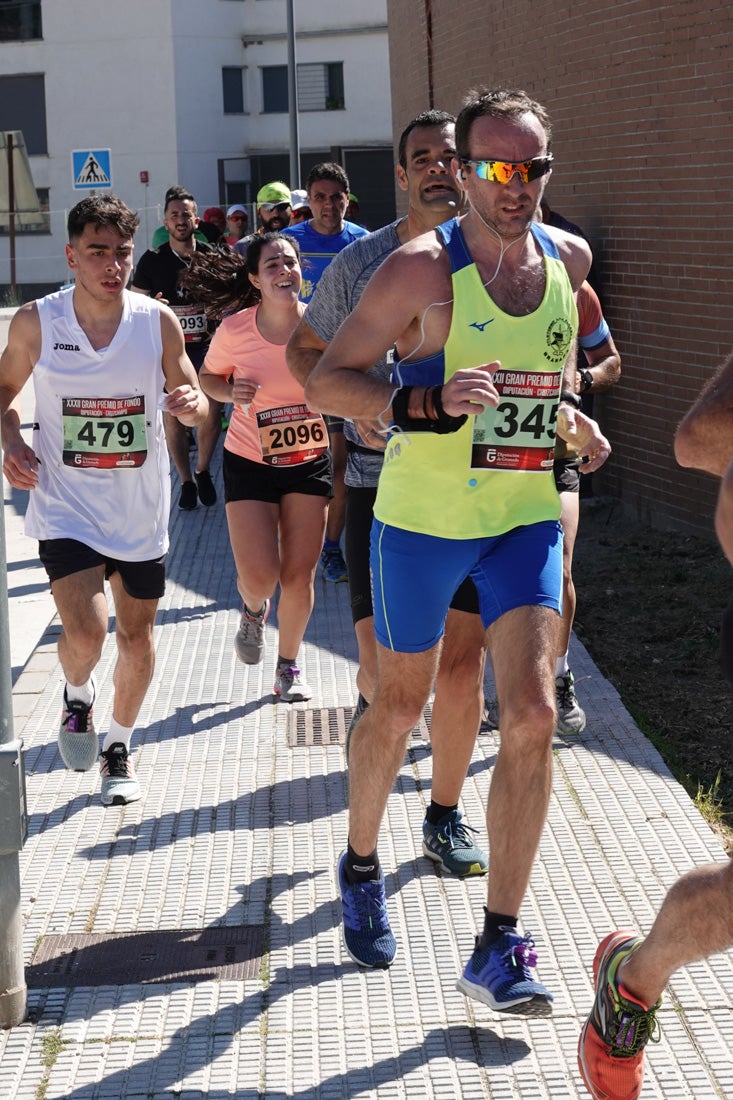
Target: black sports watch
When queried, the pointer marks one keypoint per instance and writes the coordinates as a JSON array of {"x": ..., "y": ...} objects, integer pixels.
[{"x": 587, "y": 379}]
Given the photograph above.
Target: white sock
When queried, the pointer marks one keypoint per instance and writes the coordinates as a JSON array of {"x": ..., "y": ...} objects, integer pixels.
[
  {"x": 83, "y": 693},
  {"x": 116, "y": 734},
  {"x": 561, "y": 665}
]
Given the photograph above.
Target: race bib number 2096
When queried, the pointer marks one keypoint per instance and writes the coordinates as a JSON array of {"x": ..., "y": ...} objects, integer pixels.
[{"x": 291, "y": 435}]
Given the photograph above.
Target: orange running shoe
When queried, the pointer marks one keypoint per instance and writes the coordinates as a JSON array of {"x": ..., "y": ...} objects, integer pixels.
[{"x": 611, "y": 1046}]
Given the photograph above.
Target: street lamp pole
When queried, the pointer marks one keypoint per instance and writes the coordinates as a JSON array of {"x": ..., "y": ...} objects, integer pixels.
[
  {"x": 293, "y": 101},
  {"x": 13, "y": 829}
]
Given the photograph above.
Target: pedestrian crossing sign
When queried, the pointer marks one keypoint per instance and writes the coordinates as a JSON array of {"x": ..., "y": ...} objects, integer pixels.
[{"x": 91, "y": 169}]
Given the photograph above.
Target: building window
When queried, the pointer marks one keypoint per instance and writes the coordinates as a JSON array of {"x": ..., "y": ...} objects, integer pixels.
[
  {"x": 234, "y": 180},
  {"x": 232, "y": 87},
  {"x": 41, "y": 222},
  {"x": 320, "y": 88},
  {"x": 23, "y": 107},
  {"x": 20, "y": 20},
  {"x": 275, "y": 89}
]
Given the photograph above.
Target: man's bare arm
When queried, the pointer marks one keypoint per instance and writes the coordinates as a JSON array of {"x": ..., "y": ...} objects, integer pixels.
[
  {"x": 724, "y": 514},
  {"x": 704, "y": 438},
  {"x": 397, "y": 301},
  {"x": 304, "y": 351},
  {"x": 570, "y": 370},
  {"x": 185, "y": 400},
  {"x": 604, "y": 363},
  {"x": 339, "y": 383},
  {"x": 16, "y": 366},
  {"x": 578, "y": 430}
]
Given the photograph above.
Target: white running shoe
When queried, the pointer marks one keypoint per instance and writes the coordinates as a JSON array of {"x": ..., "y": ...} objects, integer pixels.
[
  {"x": 249, "y": 641},
  {"x": 78, "y": 742},
  {"x": 290, "y": 685},
  {"x": 119, "y": 782}
]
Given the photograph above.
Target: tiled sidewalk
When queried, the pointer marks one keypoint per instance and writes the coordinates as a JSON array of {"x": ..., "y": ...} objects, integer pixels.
[{"x": 238, "y": 834}]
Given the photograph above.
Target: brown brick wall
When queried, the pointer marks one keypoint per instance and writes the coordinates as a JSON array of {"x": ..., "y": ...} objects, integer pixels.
[{"x": 641, "y": 97}]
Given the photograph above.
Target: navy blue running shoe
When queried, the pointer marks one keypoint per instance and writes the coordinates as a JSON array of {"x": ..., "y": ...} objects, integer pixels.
[
  {"x": 367, "y": 934},
  {"x": 499, "y": 976}
]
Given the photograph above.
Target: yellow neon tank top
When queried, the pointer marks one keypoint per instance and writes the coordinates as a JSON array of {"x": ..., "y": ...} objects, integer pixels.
[{"x": 495, "y": 473}]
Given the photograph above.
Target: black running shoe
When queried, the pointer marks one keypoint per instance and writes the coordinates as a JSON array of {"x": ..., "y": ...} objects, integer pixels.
[
  {"x": 189, "y": 496},
  {"x": 207, "y": 492}
]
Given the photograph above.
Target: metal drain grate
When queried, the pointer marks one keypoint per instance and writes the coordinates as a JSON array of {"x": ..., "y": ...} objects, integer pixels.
[
  {"x": 329, "y": 725},
  {"x": 136, "y": 958}
]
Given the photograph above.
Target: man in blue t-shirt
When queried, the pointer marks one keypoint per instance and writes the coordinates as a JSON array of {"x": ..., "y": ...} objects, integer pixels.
[
  {"x": 327, "y": 232},
  {"x": 320, "y": 239}
]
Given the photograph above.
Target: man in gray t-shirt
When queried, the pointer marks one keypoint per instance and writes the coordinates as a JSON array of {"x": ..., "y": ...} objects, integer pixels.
[
  {"x": 427, "y": 147},
  {"x": 338, "y": 291}
]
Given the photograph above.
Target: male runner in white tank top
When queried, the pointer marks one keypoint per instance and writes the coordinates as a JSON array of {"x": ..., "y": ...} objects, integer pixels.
[{"x": 102, "y": 360}]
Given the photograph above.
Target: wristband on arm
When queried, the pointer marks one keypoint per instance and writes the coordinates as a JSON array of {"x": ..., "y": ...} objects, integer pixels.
[
  {"x": 446, "y": 423},
  {"x": 571, "y": 399},
  {"x": 442, "y": 424}
]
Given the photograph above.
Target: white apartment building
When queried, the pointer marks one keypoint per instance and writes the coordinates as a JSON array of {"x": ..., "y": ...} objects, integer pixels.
[{"x": 158, "y": 92}]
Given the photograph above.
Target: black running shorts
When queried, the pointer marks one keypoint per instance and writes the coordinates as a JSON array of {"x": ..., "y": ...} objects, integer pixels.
[{"x": 142, "y": 580}]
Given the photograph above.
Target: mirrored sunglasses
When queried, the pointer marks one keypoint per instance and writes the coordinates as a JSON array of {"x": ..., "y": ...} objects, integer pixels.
[
  {"x": 501, "y": 171},
  {"x": 270, "y": 206}
]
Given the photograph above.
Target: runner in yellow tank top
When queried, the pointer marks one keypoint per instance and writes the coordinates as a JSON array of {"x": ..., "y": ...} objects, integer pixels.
[
  {"x": 466, "y": 490},
  {"x": 495, "y": 472}
]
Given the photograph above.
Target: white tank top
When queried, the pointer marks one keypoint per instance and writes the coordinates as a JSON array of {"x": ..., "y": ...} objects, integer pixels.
[{"x": 104, "y": 478}]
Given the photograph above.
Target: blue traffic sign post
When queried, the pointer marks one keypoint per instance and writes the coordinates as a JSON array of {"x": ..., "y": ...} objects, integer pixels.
[{"x": 91, "y": 169}]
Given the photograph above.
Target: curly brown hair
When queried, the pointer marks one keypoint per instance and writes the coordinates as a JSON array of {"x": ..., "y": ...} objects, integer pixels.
[
  {"x": 102, "y": 210},
  {"x": 220, "y": 279}
]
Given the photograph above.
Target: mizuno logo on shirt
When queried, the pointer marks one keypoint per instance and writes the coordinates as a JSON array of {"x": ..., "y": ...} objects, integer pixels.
[
  {"x": 480, "y": 325},
  {"x": 66, "y": 347}
]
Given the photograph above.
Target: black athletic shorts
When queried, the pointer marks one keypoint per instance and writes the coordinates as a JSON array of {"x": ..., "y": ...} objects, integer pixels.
[
  {"x": 567, "y": 475},
  {"x": 359, "y": 516},
  {"x": 142, "y": 580},
  {"x": 247, "y": 480}
]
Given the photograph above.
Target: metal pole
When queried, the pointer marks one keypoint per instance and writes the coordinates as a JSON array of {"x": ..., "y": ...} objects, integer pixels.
[
  {"x": 11, "y": 218},
  {"x": 13, "y": 827},
  {"x": 293, "y": 101}
]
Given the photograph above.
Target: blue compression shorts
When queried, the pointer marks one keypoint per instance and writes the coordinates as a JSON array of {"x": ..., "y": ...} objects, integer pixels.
[{"x": 414, "y": 578}]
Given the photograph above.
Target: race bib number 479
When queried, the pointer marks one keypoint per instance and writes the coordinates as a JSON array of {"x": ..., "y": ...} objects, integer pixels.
[
  {"x": 104, "y": 433},
  {"x": 519, "y": 434}
]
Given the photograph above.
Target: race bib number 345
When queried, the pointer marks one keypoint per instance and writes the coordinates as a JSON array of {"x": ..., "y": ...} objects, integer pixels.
[
  {"x": 519, "y": 434},
  {"x": 104, "y": 433}
]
